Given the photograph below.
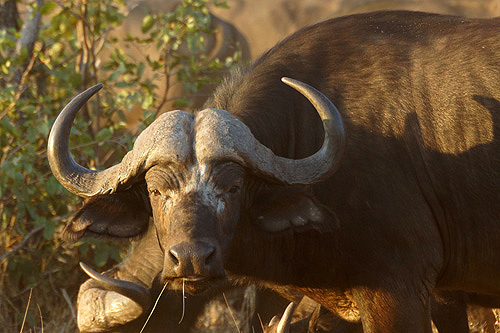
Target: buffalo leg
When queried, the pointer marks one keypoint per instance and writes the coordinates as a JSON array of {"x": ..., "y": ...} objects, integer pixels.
[
  {"x": 449, "y": 311},
  {"x": 390, "y": 311}
]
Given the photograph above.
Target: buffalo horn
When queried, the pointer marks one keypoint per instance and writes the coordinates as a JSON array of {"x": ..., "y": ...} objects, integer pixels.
[
  {"x": 314, "y": 168},
  {"x": 134, "y": 291},
  {"x": 75, "y": 178},
  {"x": 87, "y": 183},
  {"x": 286, "y": 319}
]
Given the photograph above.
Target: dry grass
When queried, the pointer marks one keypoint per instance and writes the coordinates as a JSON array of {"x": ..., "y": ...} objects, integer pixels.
[
  {"x": 46, "y": 311},
  {"x": 42, "y": 311},
  {"x": 496, "y": 312}
]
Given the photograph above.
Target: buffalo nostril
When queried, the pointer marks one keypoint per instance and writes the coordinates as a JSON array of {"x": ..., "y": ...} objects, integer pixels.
[
  {"x": 188, "y": 259},
  {"x": 209, "y": 256},
  {"x": 174, "y": 256}
]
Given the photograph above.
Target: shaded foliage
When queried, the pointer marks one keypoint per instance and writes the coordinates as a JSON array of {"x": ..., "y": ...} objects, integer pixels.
[{"x": 61, "y": 58}]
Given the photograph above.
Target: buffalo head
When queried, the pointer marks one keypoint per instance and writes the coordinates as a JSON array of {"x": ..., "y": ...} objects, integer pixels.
[{"x": 190, "y": 172}]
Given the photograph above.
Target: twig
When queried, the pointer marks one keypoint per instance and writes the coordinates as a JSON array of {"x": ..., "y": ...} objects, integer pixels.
[
  {"x": 41, "y": 317},
  {"x": 167, "y": 74},
  {"x": 14, "y": 250},
  {"x": 37, "y": 283},
  {"x": 124, "y": 147},
  {"x": 231, "y": 313},
  {"x": 260, "y": 321},
  {"x": 66, "y": 298},
  {"x": 154, "y": 307},
  {"x": 183, "y": 301},
  {"x": 26, "y": 311}
]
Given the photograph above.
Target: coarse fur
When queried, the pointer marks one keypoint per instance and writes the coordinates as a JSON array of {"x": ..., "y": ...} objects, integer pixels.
[{"x": 421, "y": 111}]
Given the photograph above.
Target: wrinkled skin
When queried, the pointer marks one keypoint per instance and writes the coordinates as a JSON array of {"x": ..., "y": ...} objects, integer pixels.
[{"x": 190, "y": 205}]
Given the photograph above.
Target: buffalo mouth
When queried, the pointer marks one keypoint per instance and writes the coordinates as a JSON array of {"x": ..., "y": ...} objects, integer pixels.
[{"x": 196, "y": 285}]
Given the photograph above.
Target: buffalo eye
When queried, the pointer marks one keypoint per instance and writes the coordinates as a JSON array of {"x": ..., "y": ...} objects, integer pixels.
[
  {"x": 155, "y": 192},
  {"x": 234, "y": 189}
]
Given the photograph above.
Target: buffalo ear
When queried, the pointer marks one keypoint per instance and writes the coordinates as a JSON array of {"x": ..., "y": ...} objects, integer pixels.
[
  {"x": 118, "y": 215},
  {"x": 280, "y": 208}
]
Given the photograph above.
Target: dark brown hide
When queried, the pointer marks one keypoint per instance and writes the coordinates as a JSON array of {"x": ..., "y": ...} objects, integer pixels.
[
  {"x": 121, "y": 215},
  {"x": 418, "y": 186}
]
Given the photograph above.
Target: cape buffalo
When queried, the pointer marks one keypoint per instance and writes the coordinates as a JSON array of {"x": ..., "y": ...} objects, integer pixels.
[{"x": 401, "y": 202}]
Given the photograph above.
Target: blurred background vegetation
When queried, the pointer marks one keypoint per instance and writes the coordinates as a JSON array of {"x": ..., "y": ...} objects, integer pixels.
[{"x": 49, "y": 51}]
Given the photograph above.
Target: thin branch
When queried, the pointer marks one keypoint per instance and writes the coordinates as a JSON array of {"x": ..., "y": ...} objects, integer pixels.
[
  {"x": 231, "y": 313},
  {"x": 261, "y": 323},
  {"x": 68, "y": 300},
  {"x": 26, "y": 312},
  {"x": 28, "y": 236},
  {"x": 166, "y": 72},
  {"x": 93, "y": 63},
  {"x": 40, "y": 314},
  {"x": 57, "y": 270},
  {"x": 154, "y": 307}
]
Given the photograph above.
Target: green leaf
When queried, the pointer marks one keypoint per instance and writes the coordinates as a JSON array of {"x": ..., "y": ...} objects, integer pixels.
[
  {"x": 31, "y": 135},
  {"x": 147, "y": 102},
  {"x": 48, "y": 7},
  {"x": 28, "y": 108},
  {"x": 221, "y": 4},
  {"x": 104, "y": 135},
  {"x": 140, "y": 69},
  {"x": 43, "y": 129},
  {"x": 49, "y": 229},
  {"x": 147, "y": 23},
  {"x": 52, "y": 186},
  {"x": 101, "y": 256}
]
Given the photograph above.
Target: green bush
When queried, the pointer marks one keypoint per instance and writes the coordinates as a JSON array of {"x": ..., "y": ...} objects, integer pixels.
[{"x": 38, "y": 271}]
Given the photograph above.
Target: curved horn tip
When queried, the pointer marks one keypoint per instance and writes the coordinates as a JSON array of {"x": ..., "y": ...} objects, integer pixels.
[
  {"x": 284, "y": 323},
  {"x": 138, "y": 293},
  {"x": 294, "y": 82},
  {"x": 97, "y": 86},
  {"x": 274, "y": 320},
  {"x": 88, "y": 270},
  {"x": 288, "y": 80},
  {"x": 92, "y": 90},
  {"x": 302, "y": 87}
]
